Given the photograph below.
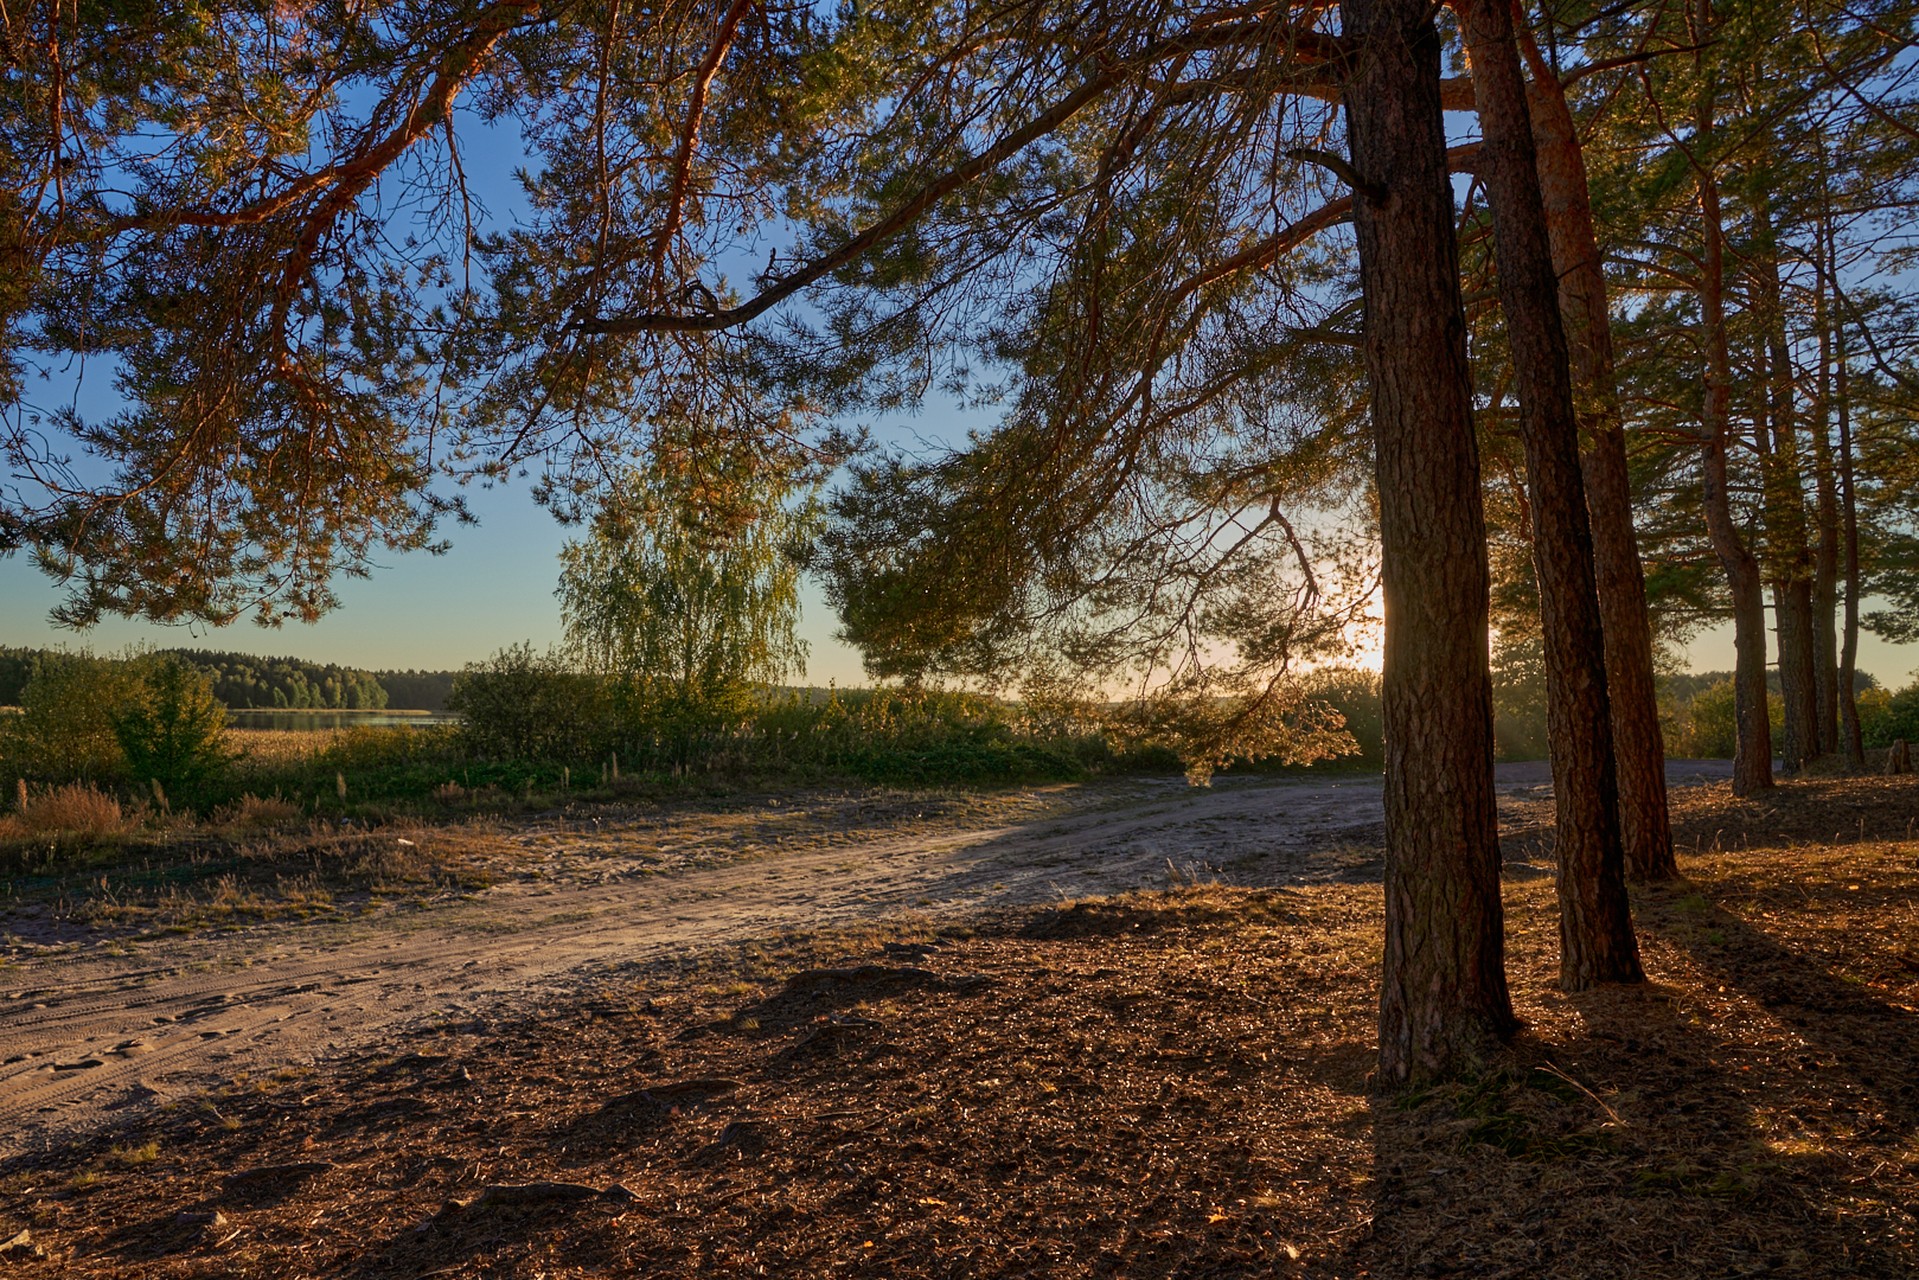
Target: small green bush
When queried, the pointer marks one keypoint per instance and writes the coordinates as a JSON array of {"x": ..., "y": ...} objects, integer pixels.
[
  {"x": 173, "y": 731},
  {"x": 65, "y": 731},
  {"x": 1892, "y": 717},
  {"x": 1355, "y": 694},
  {"x": 523, "y": 705},
  {"x": 1711, "y": 728}
]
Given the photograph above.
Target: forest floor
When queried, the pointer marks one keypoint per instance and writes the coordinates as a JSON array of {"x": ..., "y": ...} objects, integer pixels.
[{"x": 973, "y": 1066}]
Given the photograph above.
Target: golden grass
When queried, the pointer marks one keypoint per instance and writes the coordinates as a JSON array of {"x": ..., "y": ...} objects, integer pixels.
[
  {"x": 76, "y": 809},
  {"x": 255, "y": 813},
  {"x": 281, "y": 746}
]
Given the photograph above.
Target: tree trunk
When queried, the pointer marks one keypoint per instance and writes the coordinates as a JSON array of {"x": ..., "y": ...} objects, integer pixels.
[
  {"x": 1752, "y": 754},
  {"x": 1851, "y": 739},
  {"x": 1443, "y": 996},
  {"x": 1787, "y": 545},
  {"x": 1639, "y": 753},
  {"x": 1595, "y": 920},
  {"x": 1825, "y": 563},
  {"x": 1898, "y": 757}
]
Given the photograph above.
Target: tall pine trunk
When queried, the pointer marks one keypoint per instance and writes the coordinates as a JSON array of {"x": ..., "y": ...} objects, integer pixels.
[
  {"x": 1443, "y": 996},
  {"x": 1752, "y": 752},
  {"x": 1595, "y": 921},
  {"x": 1639, "y": 753},
  {"x": 1825, "y": 563},
  {"x": 1851, "y": 742},
  {"x": 1788, "y": 547}
]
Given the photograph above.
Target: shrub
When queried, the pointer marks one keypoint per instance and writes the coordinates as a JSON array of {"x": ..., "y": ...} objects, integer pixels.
[
  {"x": 65, "y": 731},
  {"x": 1354, "y": 693},
  {"x": 174, "y": 732},
  {"x": 1711, "y": 726},
  {"x": 522, "y": 705},
  {"x": 1896, "y": 717}
]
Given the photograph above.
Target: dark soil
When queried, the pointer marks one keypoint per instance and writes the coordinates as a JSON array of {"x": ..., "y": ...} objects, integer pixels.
[{"x": 1152, "y": 1086}]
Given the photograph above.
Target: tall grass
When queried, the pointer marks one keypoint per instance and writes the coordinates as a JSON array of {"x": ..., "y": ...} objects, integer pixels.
[{"x": 76, "y": 809}]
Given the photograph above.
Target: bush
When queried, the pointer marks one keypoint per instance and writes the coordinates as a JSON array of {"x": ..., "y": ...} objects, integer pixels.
[
  {"x": 1896, "y": 716},
  {"x": 65, "y": 731},
  {"x": 1354, "y": 693},
  {"x": 173, "y": 733},
  {"x": 522, "y": 705},
  {"x": 1711, "y": 728}
]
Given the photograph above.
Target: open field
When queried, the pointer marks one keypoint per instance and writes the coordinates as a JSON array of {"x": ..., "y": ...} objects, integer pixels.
[{"x": 921, "y": 1047}]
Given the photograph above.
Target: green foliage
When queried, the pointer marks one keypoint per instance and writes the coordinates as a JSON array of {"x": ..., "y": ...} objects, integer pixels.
[
  {"x": 687, "y": 608},
  {"x": 1710, "y": 729},
  {"x": 242, "y": 680},
  {"x": 65, "y": 731},
  {"x": 524, "y": 705},
  {"x": 173, "y": 733},
  {"x": 1355, "y": 693},
  {"x": 920, "y": 738},
  {"x": 16, "y": 668},
  {"x": 1891, "y": 717},
  {"x": 417, "y": 690},
  {"x": 1519, "y": 698}
]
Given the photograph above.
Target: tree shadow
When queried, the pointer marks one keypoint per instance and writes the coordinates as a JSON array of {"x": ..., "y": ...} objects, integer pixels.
[
  {"x": 1668, "y": 1130},
  {"x": 1845, "y": 1026}
]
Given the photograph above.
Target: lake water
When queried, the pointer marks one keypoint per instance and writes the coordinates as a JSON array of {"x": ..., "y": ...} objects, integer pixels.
[{"x": 257, "y": 718}]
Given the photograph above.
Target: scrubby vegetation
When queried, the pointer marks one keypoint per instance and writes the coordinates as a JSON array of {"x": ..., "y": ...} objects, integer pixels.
[
  {"x": 136, "y": 746},
  {"x": 111, "y": 750}
]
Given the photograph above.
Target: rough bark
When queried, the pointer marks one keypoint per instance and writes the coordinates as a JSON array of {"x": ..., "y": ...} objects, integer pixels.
[
  {"x": 1850, "y": 739},
  {"x": 1752, "y": 754},
  {"x": 1595, "y": 920},
  {"x": 1639, "y": 752},
  {"x": 1788, "y": 547},
  {"x": 1825, "y": 559},
  {"x": 1443, "y": 995}
]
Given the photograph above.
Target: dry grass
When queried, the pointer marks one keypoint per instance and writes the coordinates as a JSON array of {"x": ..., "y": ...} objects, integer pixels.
[
  {"x": 1806, "y": 811},
  {"x": 275, "y": 747},
  {"x": 77, "y": 809},
  {"x": 1160, "y": 1085},
  {"x": 257, "y": 813}
]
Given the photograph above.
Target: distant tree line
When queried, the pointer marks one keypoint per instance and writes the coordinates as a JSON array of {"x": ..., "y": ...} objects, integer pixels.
[
  {"x": 243, "y": 681},
  {"x": 416, "y": 690}
]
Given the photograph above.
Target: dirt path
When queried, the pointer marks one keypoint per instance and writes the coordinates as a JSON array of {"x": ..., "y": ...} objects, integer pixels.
[{"x": 88, "y": 1037}]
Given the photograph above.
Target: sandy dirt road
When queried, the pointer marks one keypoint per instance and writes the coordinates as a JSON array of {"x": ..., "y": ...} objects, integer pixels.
[{"x": 90, "y": 1033}]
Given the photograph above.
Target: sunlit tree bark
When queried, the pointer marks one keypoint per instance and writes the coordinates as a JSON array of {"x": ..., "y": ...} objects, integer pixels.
[
  {"x": 1595, "y": 924},
  {"x": 1443, "y": 997}
]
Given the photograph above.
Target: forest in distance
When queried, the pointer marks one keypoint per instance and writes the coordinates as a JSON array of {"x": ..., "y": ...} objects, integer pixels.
[{"x": 244, "y": 681}]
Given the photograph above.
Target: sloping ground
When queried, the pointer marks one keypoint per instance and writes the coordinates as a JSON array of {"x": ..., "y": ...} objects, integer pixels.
[{"x": 1157, "y": 1085}]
